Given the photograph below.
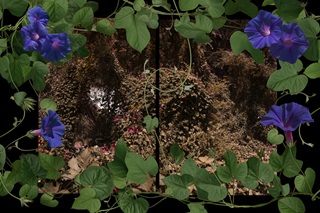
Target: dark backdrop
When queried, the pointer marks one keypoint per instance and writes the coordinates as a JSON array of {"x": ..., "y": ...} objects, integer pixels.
[{"x": 310, "y": 156}]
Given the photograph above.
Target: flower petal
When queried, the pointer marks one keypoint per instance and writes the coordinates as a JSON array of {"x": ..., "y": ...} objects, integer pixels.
[
  {"x": 287, "y": 117},
  {"x": 56, "y": 47},
  {"x": 37, "y": 14},
  {"x": 291, "y": 45},
  {"x": 264, "y": 29}
]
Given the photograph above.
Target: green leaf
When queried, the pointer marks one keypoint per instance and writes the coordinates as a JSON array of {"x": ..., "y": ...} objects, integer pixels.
[
  {"x": 203, "y": 178},
  {"x": 30, "y": 169},
  {"x": 196, "y": 30},
  {"x": 137, "y": 33},
  {"x": 288, "y": 78},
  {"x": 232, "y": 169},
  {"x": 19, "y": 97},
  {"x": 275, "y": 190},
  {"x": 176, "y": 153},
  {"x": 148, "y": 17},
  {"x": 244, "y": 6},
  {"x": 119, "y": 182},
  {"x": 217, "y": 23},
  {"x": 291, "y": 166},
  {"x": 188, "y": 5},
  {"x": 93, "y": 4},
  {"x": 274, "y": 138},
  {"x": 214, "y": 7},
  {"x": 3, "y": 45},
  {"x": 47, "y": 200},
  {"x": 98, "y": 178},
  {"x": 118, "y": 166},
  {"x": 257, "y": 171},
  {"x": 288, "y": 10},
  {"x": 161, "y": 3},
  {"x": 239, "y": 42},
  {"x": 150, "y": 123},
  {"x": 2, "y": 157},
  {"x": 247, "y": 7},
  {"x": 138, "y": 168},
  {"x": 276, "y": 161},
  {"x": 77, "y": 3},
  {"x": 52, "y": 164},
  {"x": 103, "y": 26},
  {"x": 30, "y": 192},
  {"x": 19, "y": 68},
  {"x": 48, "y": 104},
  {"x": 8, "y": 183},
  {"x": 87, "y": 201},
  {"x": 304, "y": 183},
  {"x": 16, "y": 7},
  {"x": 189, "y": 167},
  {"x": 310, "y": 29},
  {"x": 285, "y": 189},
  {"x": 37, "y": 75},
  {"x": 313, "y": 71},
  {"x": 82, "y": 52},
  {"x": 267, "y": 2},
  {"x": 130, "y": 205},
  {"x": 215, "y": 193},
  {"x": 179, "y": 185},
  {"x": 77, "y": 41},
  {"x": 291, "y": 205},
  {"x": 196, "y": 208},
  {"x": 56, "y": 9},
  {"x": 84, "y": 16},
  {"x": 4, "y": 68},
  {"x": 138, "y": 4}
]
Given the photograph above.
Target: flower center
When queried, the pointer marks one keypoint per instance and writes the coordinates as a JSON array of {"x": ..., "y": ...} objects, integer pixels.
[
  {"x": 287, "y": 42},
  {"x": 55, "y": 44},
  {"x": 266, "y": 31},
  {"x": 35, "y": 36}
]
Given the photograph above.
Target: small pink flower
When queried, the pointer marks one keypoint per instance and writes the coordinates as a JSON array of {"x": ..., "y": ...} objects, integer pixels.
[
  {"x": 104, "y": 149},
  {"x": 131, "y": 130},
  {"x": 116, "y": 118},
  {"x": 112, "y": 147}
]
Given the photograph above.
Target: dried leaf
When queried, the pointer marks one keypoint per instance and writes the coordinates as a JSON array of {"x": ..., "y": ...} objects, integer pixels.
[
  {"x": 147, "y": 186},
  {"x": 73, "y": 170}
]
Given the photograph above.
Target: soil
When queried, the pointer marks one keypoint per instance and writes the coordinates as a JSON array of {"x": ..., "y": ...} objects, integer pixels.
[{"x": 106, "y": 95}]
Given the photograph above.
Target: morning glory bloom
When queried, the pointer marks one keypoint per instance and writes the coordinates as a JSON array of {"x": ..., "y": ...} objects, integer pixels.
[
  {"x": 291, "y": 45},
  {"x": 38, "y": 14},
  {"x": 55, "y": 47},
  {"x": 287, "y": 117},
  {"x": 33, "y": 36},
  {"x": 52, "y": 130},
  {"x": 264, "y": 29}
]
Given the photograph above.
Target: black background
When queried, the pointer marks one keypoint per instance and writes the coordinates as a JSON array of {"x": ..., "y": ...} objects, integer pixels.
[{"x": 310, "y": 156}]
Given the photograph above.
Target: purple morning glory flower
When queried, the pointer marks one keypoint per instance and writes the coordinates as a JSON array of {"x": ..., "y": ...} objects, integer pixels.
[
  {"x": 51, "y": 130},
  {"x": 38, "y": 14},
  {"x": 33, "y": 36},
  {"x": 291, "y": 45},
  {"x": 264, "y": 29},
  {"x": 55, "y": 47},
  {"x": 287, "y": 117}
]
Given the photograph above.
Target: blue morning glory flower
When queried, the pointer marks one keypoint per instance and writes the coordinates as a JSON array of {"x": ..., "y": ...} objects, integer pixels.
[
  {"x": 264, "y": 29},
  {"x": 33, "y": 36},
  {"x": 291, "y": 45},
  {"x": 52, "y": 130},
  {"x": 55, "y": 47},
  {"x": 38, "y": 14},
  {"x": 287, "y": 117}
]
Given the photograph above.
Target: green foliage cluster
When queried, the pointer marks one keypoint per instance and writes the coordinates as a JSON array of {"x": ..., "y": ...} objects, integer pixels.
[{"x": 193, "y": 20}]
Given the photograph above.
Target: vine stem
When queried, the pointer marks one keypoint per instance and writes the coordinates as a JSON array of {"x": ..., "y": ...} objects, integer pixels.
[{"x": 23, "y": 116}]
